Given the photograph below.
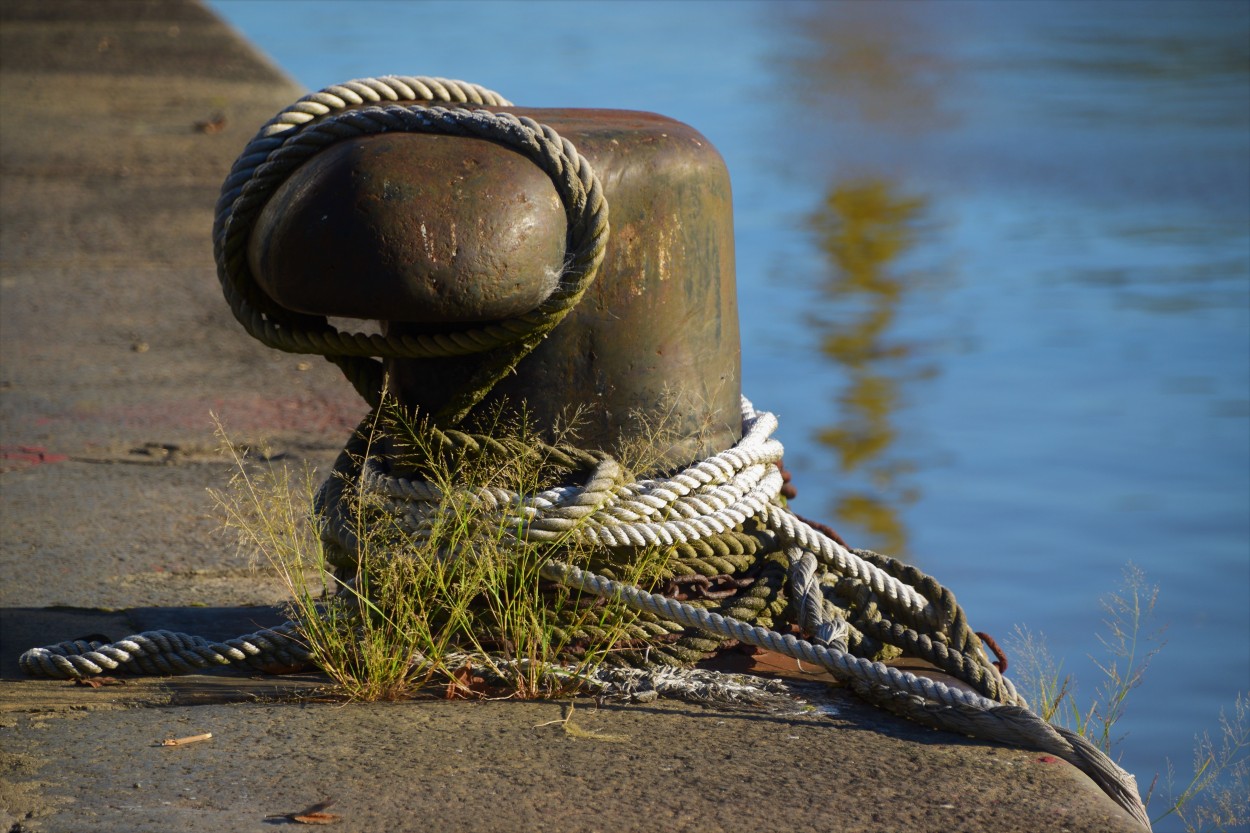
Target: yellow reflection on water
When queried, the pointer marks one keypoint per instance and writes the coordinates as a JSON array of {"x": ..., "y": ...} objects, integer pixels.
[
  {"x": 875, "y": 69},
  {"x": 876, "y": 60},
  {"x": 863, "y": 227}
]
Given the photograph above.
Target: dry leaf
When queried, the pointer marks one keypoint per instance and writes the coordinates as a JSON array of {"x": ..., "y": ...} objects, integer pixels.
[
  {"x": 315, "y": 818},
  {"x": 186, "y": 740},
  {"x": 214, "y": 125},
  {"x": 97, "y": 682},
  {"x": 315, "y": 814},
  {"x": 464, "y": 684}
]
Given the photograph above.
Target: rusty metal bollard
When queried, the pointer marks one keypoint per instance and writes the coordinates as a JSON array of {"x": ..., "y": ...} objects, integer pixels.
[{"x": 429, "y": 232}]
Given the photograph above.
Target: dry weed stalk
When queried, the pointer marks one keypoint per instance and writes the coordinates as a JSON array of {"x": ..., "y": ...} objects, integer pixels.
[
  {"x": 1217, "y": 796},
  {"x": 457, "y": 602}
]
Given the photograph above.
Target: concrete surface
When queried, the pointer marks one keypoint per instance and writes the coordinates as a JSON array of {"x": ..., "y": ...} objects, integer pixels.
[{"x": 119, "y": 121}]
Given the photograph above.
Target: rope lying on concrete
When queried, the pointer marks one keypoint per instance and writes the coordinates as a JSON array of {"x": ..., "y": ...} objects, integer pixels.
[
  {"x": 723, "y": 492},
  {"x": 926, "y": 701},
  {"x": 723, "y": 515},
  {"x": 166, "y": 653},
  {"x": 729, "y": 488}
]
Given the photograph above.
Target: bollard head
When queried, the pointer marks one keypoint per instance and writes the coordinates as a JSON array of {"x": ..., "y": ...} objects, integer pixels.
[
  {"x": 437, "y": 230},
  {"x": 655, "y": 334}
]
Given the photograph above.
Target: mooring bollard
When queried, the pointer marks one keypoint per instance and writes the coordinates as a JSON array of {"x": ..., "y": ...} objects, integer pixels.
[{"x": 428, "y": 233}]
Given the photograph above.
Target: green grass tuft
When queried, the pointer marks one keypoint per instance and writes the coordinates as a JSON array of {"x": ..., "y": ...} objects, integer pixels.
[
  {"x": 458, "y": 604},
  {"x": 1217, "y": 795}
]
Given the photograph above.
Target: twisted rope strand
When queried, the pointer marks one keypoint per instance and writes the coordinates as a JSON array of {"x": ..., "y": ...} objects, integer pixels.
[
  {"x": 165, "y": 653},
  {"x": 928, "y": 701}
]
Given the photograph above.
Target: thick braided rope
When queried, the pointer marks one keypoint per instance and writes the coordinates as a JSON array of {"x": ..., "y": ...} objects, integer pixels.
[
  {"x": 335, "y": 99},
  {"x": 575, "y": 182},
  {"x": 700, "y": 502},
  {"x": 298, "y": 134},
  {"x": 719, "y": 485},
  {"x": 365, "y": 376},
  {"x": 966, "y": 666},
  {"x": 697, "y": 486},
  {"x": 329, "y": 101},
  {"x": 165, "y": 653},
  {"x": 808, "y": 600},
  {"x": 932, "y": 702},
  {"x": 579, "y": 190},
  {"x": 704, "y": 503},
  {"x": 356, "y": 468},
  {"x": 845, "y": 667},
  {"x": 378, "y": 91}
]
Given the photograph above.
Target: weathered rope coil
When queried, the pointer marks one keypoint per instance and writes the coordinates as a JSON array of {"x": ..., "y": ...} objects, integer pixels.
[
  {"x": 760, "y": 572},
  {"x": 730, "y": 485}
]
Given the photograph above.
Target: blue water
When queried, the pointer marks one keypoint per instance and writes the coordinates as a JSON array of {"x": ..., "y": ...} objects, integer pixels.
[{"x": 1050, "y": 370}]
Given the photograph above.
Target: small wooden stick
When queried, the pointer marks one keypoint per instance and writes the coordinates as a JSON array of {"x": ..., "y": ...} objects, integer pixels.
[
  {"x": 186, "y": 740},
  {"x": 315, "y": 814}
]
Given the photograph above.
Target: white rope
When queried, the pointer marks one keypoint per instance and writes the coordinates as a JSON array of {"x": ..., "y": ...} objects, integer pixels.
[
  {"x": 705, "y": 499},
  {"x": 922, "y": 698},
  {"x": 717, "y": 495},
  {"x": 164, "y": 653}
]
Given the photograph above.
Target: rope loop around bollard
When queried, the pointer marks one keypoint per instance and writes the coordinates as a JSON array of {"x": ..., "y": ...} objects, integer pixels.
[{"x": 291, "y": 139}]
